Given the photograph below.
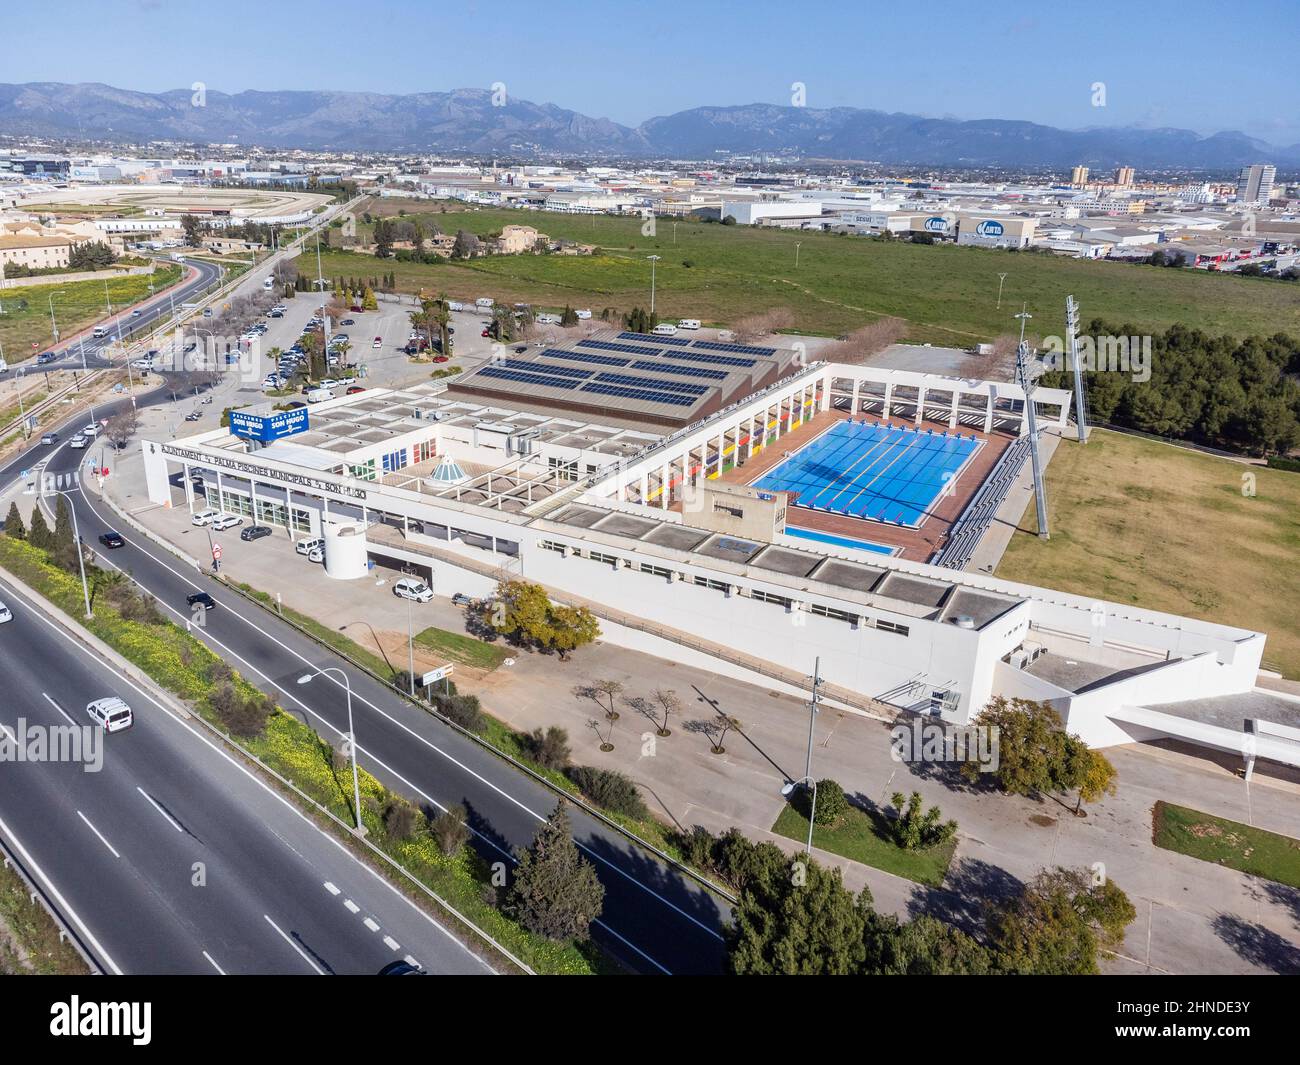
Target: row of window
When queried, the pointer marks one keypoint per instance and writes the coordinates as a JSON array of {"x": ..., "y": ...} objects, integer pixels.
[{"x": 820, "y": 609}]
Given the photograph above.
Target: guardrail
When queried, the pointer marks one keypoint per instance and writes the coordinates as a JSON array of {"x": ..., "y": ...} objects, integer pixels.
[{"x": 36, "y": 894}]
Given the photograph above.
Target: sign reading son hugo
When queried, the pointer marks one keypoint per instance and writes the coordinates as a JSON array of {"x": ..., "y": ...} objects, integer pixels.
[{"x": 267, "y": 427}]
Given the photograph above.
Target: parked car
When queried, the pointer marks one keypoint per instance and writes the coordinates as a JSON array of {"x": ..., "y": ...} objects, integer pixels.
[
  {"x": 193, "y": 416},
  {"x": 316, "y": 554},
  {"x": 378, "y": 342},
  {"x": 305, "y": 547},
  {"x": 112, "y": 539},
  {"x": 461, "y": 599},
  {"x": 226, "y": 521},
  {"x": 255, "y": 532},
  {"x": 205, "y": 517},
  {"x": 355, "y": 389},
  {"x": 201, "y": 599},
  {"x": 5, "y": 614},
  {"x": 111, "y": 714},
  {"x": 414, "y": 589}
]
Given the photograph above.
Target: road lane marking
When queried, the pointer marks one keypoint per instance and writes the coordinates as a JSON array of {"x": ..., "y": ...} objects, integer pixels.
[
  {"x": 59, "y": 899},
  {"x": 352, "y": 906},
  {"x": 98, "y": 833},
  {"x": 206, "y": 635},
  {"x": 305, "y": 956},
  {"x": 213, "y": 963},
  {"x": 370, "y": 923},
  {"x": 331, "y": 888},
  {"x": 66, "y": 716},
  {"x": 155, "y": 805},
  {"x": 392, "y": 944}
]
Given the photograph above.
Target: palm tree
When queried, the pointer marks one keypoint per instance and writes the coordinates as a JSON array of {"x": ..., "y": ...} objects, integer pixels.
[{"x": 442, "y": 316}]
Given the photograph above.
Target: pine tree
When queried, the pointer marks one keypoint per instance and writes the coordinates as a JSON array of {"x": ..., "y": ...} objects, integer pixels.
[
  {"x": 39, "y": 534},
  {"x": 14, "y": 527},
  {"x": 555, "y": 891},
  {"x": 62, "y": 524}
]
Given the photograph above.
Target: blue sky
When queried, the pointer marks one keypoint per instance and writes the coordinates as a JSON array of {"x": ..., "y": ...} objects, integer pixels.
[{"x": 1192, "y": 63}]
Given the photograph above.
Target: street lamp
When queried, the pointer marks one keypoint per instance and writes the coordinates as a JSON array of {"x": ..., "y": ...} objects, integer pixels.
[
  {"x": 653, "y": 259},
  {"x": 307, "y": 678},
  {"x": 796, "y": 253},
  {"x": 81, "y": 561},
  {"x": 789, "y": 789},
  {"x": 54, "y": 326}
]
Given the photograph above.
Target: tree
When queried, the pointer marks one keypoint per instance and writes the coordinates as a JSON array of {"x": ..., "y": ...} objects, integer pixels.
[
  {"x": 716, "y": 729},
  {"x": 63, "y": 531},
  {"x": 555, "y": 892},
  {"x": 39, "y": 535},
  {"x": 524, "y": 614},
  {"x": 794, "y": 918},
  {"x": 1057, "y": 923},
  {"x": 449, "y": 830},
  {"x": 569, "y": 317},
  {"x": 1086, "y": 771},
  {"x": 192, "y": 227},
  {"x": 383, "y": 239},
  {"x": 92, "y": 255},
  {"x": 466, "y": 245},
  {"x": 608, "y": 687},
  {"x": 368, "y": 301},
  {"x": 1031, "y": 746},
  {"x": 549, "y": 747},
  {"x": 14, "y": 527},
  {"x": 121, "y": 427},
  {"x": 913, "y": 827},
  {"x": 925, "y": 946},
  {"x": 668, "y": 705}
]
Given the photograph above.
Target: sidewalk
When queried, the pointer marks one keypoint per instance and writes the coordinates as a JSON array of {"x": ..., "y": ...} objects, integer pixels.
[{"x": 1192, "y": 916}]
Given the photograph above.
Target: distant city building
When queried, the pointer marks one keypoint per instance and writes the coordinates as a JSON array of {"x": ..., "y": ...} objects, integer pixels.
[
  {"x": 1079, "y": 175},
  {"x": 1255, "y": 183},
  {"x": 1124, "y": 176}
]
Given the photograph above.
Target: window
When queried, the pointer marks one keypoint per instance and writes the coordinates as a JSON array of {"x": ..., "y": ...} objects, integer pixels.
[
  {"x": 564, "y": 469},
  {"x": 301, "y": 520},
  {"x": 365, "y": 471},
  {"x": 889, "y": 626},
  {"x": 596, "y": 556},
  {"x": 821, "y": 610},
  {"x": 655, "y": 571},
  {"x": 722, "y": 508},
  {"x": 717, "y": 586},
  {"x": 551, "y": 545},
  {"x": 768, "y": 597}
]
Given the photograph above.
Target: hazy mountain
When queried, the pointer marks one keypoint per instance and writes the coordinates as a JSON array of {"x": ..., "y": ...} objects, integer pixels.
[{"x": 467, "y": 120}]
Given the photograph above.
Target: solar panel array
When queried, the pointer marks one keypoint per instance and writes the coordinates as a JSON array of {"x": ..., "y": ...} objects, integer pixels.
[
  {"x": 648, "y": 339},
  {"x": 652, "y": 382},
  {"x": 716, "y": 360},
  {"x": 685, "y": 371},
  {"x": 609, "y": 345},
  {"x": 670, "y": 398},
  {"x": 526, "y": 378},
  {"x": 583, "y": 356},
  {"x": 541, "y": 367},
  {"x": 736, "y": 349}
]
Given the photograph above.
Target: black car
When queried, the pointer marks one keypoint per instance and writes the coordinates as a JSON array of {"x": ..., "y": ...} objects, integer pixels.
[
  {"x": 201, "y": 598},
  {"x": 112, "y": 539},
  {"x": 193, "y": 416},
  {"x": 255, "y": 532},
  {"x": 348, "y": 321}
]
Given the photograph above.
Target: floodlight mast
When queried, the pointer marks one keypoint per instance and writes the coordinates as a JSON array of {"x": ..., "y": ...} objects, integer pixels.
[
  {"x": 1072, "y": 336},
  {"x": 1028, "y": 383}
]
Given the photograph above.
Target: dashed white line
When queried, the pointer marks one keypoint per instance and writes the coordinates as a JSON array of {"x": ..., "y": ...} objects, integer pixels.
[
  {"x": 305, "y": 956},
  {"x": 66, "y": 716},
  {"x": 370, "y": 923},
  {"x": 391, "y": 943},
  {"x": 352, "y": 906},
  {"x": 411, "y": 961},
  {"x": 170, "y": 819},
  {"x": 97, "y": 833},
  {"x": 331, "y": 888},
  {"x": 212, "y": 962}
]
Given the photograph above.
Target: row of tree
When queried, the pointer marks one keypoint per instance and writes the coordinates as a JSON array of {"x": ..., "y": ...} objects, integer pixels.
[{"x": 1235, "y": 394}]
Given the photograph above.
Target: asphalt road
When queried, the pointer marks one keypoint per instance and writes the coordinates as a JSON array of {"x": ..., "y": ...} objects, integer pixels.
[{"x": 173, "y": 857}]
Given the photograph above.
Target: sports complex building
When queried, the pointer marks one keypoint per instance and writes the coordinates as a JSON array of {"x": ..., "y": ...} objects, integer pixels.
[{"x": 748, "y": 516}]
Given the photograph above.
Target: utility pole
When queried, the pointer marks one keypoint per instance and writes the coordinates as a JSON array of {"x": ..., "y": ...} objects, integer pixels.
[
  {"x": 1072, "y": 335},
  {"x": 1001, "y": 279},
  {"x": 653, "y": 259},
  {"x": 796, "y": 254}
]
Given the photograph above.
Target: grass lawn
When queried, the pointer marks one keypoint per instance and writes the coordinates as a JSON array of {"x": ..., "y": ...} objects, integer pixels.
[
  {"x": 26, "y": 317},
  {"x": 1214, "y": 839},
  {"x": 29, "y": 938},
  {"x": 1135, "y": 521},
  {"x": 948, "y": 294},
  {"x": 460, "y": 648},
  {"x": 859, "y": 837}
]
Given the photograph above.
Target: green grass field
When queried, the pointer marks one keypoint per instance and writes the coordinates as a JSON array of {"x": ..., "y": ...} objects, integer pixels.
[
  {"x": 948, "y": 294},
  {"x": 1135, "y": 521},
  {"x": 858, "y": 837},
  {"x": 1222, "y": 842},
  {"x": 457, "y": 647},
  {"x": 76, "y": 306}
]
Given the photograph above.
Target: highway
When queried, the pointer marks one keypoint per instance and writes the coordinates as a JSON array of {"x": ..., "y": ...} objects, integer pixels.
[{"x": 175, "y": 858}]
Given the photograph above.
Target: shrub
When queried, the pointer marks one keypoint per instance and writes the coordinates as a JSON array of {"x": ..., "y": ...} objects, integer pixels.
[
  {"x": 831, "y": 803},
  {"x": 913, "y": 827},
  {"x": 449, "y": 830},
  {"x": 610, "y": 790},
  {"x": 399, "y": 819},
  {"x": 243, "y": 716},
  {"x": 549, "y": 748},
  {"x": 464, "y": 710}
]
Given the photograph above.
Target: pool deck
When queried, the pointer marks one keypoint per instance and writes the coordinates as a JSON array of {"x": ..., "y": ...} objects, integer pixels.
[{"x": 916, "y": 545}]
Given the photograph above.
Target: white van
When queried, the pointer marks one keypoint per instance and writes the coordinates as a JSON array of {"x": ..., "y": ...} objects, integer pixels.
[
  {"x": 306, "y": 547},
  {"x": 689, "y": 323},
  {"x": 455, "y": 305},
  {"x": 665, "y": 330},
  {"x": 548, "y": 319},
  {"x": 583, "y": 314},
  {"x": 319, "y": 395},
  {"x": 485, "y": 303},
  {"x": 110, "y": 714},
  {"x": 100, "y": 332}
]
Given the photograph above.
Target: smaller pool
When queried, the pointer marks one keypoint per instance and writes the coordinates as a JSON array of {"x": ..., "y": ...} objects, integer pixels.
[{"x": 840, "y": 541}]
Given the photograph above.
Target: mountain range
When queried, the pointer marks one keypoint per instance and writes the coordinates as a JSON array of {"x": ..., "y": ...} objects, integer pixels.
[{"x": 469, "y": 121}]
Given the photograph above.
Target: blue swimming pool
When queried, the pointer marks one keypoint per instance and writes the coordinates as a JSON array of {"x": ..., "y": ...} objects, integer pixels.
[
  {"x": 839, "y": 541},
  {"x": 868, "y": 470}
]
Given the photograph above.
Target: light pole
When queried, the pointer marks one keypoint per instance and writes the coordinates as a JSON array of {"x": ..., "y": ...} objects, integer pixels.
[
  {"x": 307, "y": 678},
  {"x": 54, "y": 326},
  {"x": 81, "y": 560},
  {"x": 1001, "y": 279},
  {"x": 796, "y": 253},
  {"x": 807, "y": 778},
  {"x": 653, "y": 259}
]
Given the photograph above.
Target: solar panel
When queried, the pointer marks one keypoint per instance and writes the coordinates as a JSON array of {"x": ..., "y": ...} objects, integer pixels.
[
  {"x": 583, "y": 356},
  {"x": 524, "y": 378},
  {"x": 647, "y": 338},
  {"x": 735, "y": 349},
  {"x": 542, "y": 367},
  {"x": 685, "y": 371},
  {"x": 649, "y": 382},
  {"x": 608, "y": 345},
  {"x": 670, "y": 398},
  {"x": 716, "y": 360}
]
